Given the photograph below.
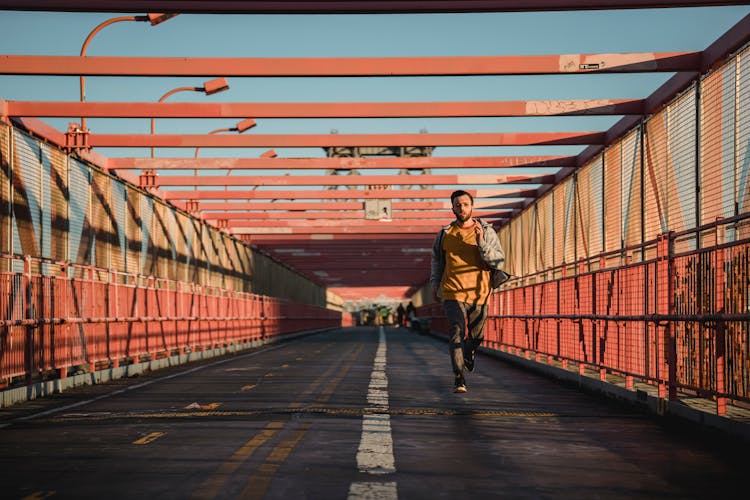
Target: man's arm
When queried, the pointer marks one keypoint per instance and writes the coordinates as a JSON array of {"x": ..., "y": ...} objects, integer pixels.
[{"x": 490, "y": 249}]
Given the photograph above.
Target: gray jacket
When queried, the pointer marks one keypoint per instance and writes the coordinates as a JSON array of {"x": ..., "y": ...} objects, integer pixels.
[{"x": 489, "y": 250}]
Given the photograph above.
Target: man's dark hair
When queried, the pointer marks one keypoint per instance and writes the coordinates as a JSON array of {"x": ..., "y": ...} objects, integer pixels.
[{"x": 461, "y": 192}]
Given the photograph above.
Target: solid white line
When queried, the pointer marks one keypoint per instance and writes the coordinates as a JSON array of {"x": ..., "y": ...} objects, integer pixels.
[
  {"x": 372, "y": 491},
  {"x": 375, "y": 454}
]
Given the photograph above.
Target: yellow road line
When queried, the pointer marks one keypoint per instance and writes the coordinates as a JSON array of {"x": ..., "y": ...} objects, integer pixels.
[
  {"x": 258, "y": 484},
  {"x": 211, "y": 486},
  {"x": 149, "y": 438}
]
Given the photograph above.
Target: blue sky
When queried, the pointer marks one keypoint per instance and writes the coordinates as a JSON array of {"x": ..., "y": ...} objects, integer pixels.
[{"x": 360, "y": 36}]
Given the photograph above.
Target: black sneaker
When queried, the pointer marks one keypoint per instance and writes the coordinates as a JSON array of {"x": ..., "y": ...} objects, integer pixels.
[
  {"x": 460, "y": 385},
  {"x": 469, "y": 362}
]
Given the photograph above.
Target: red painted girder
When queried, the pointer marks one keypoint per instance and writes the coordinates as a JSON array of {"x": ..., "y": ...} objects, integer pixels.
[
  {"x": 637, "y": 62},
  {"x": 350, "y": 180},
  {"x": 276, "y": 241},
  {"x": 362, "y": 163},
  {"x": 342, "y": 194},
  {"x": 295, "y": 206},
  {"x": 357, "y": 215},
  {"x": 325, "y": 223},
  {"x": 347, "y": 229},
  {"x": 733, "y": 39},
  {"x": 324, "y": 109},
  {"x": 362, "y": 140},
  {"x": 342, "y": 7}
]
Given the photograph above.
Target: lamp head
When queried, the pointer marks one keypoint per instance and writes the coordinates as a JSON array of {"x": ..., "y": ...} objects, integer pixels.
[
  {"x": 245, "y": 124},
  {"x": 215, "y": 86},
  {"x": 159, "y": 18}
]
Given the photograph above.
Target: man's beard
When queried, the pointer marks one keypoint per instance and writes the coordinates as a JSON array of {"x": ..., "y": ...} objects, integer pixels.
[{"x": 461, "y": 218}]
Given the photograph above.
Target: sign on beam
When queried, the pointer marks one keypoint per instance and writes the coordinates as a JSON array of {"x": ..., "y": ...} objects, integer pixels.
[{"x": 378, "y": 209}]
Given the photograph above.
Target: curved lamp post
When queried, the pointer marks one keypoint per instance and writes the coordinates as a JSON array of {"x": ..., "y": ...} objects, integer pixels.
[
  {"x": 209, "y": 88},
  {"x": 153, "y": 19},
  {"x": 245, "y": 124}
]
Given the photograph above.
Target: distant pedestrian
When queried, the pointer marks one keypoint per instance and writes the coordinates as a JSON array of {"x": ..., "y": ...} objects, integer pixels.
[
  {"x": 400, "y": 313},
  {"x": 463, "y": 254}
]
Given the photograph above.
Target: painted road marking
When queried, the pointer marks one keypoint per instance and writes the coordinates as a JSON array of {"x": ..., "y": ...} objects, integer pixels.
[
  {"x": 149, "y": 438},
  {"x": 363, "y": 491},
  {"x": 258, "y": 484},
  {"x": 211, "y": 487},
  {"x": 375, "y": 454},
  {"x": 144, "y": 384}
]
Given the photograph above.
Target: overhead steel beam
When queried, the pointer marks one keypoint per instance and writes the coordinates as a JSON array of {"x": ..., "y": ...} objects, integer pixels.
[
  {"x": 265, "y": 207},
  {"x": 637, "y": 62},
  {"x": 733, "y": 39},
  {"x": 348, "y": 180},
  {"x": 340, "y": 163},
  {"x": 343, "y": 194},
  {"x": 342, "y": 7},
  {"x": 339, "y": 215},
  {"x": 322, "y": 110},
  {"x": 333, "y": 140}
]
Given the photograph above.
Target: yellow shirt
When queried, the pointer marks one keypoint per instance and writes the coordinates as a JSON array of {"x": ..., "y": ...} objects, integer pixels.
[{"x": 466, "y": 278}]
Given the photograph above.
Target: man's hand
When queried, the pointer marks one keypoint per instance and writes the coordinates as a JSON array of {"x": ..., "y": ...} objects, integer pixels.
[
  {"x": 435, "y": 293},
  {"x": 478, "y": 231}
]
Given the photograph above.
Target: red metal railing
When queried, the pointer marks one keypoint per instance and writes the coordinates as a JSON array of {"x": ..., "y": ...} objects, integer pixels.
[
  {"x": 679, "y": 321},
  {"x": 54, "y": 322}
]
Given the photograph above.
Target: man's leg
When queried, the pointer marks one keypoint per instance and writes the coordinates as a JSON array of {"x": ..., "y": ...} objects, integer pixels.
[
  {"x": 455, "y": 312},
  {"x": 476, "y": 319}
]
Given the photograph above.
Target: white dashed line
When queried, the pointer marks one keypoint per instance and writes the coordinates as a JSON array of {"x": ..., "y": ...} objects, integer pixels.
[{"x": 375, "y": 454}]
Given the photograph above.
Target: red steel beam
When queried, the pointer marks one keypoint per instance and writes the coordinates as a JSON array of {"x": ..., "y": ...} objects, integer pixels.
[
  {"x": 416, "y": 163},
  {"x": 343, "y": 194},
  {"x": 734, "y": 38},
  {"x": 206, "y": 207},
  {"x": 336, "y": 215},
  {"x": 343, "y": 7},
  {"x": 323, "y": 110},
  {"x": 332, "y": 140},
  {"x": 343, "y": 229},
  {"x": 637, "y": 62},
  {"x": 349, "y": 180}
]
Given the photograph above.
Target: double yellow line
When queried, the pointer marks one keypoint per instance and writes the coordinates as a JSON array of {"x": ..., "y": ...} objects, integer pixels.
[{"x": 257, "y": 485}]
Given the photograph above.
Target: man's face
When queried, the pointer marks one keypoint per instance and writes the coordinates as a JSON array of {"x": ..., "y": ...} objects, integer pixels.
[{"x": 462, "y": 207}]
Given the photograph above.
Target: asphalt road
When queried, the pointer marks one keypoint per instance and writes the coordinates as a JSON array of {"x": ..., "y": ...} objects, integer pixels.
[{"x": 349, "y": 414}]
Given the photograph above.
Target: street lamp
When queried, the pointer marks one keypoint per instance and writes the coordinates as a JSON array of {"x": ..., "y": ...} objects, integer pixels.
[
  {"x": 245, "y": 124},
  {"x": 153, "y": 19},
  {"x": 209, "y": 88}
]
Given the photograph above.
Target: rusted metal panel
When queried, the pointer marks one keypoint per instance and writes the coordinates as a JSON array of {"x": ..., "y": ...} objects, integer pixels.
[
  {"x": 101, "y": 219},
  {"x": 81, "y": 236},
  {"x": 5, "y": 195},
  {"x": 590, "y": 210},
  {"x": 612, "y": 198},
  {"x": 147, "y": 262},
  {"x": 655, "y": 176},
  {"x": 681, "y": 177},
  {"x": 742, "y": 103},
  {"x": 119, "y": 221},
  {"x": 58, "y": 208},
  {"x": 132, "y": 227},
  {"x": 630, "y": 195},
  {"x": 27, "y": 205},
  {"x": 545, "y": 248},
  {"x": 526, "y": 224},
  {"x": 717, "y": 146}
]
